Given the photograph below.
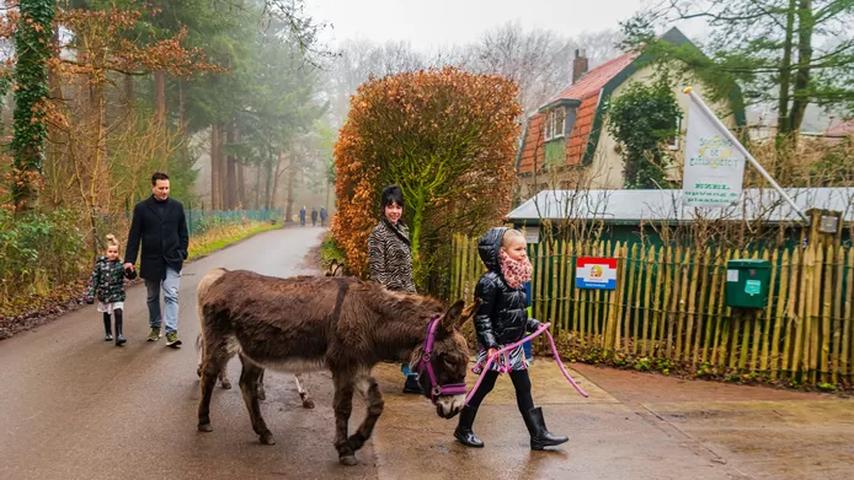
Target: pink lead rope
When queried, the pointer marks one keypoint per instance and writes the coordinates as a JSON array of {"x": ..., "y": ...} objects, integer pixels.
[{"x": 543, "y": 328}]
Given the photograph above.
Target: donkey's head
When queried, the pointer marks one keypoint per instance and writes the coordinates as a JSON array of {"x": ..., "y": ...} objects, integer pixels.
[{"x": 441, "y": 362}]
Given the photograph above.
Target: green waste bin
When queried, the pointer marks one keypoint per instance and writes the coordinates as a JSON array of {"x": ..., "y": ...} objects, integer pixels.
[{"x": 747, "y": 283}]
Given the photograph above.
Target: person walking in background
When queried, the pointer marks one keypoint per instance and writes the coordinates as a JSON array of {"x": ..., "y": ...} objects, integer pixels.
[
  {"x": 390, "y": 258},
  {"x": 313, "y": 217},
  {"x": 302, "y": 216},
  {"x": 323, "y": 216},
  {"x": 160, "y": 226},
  {"x": 107, "y": 285}
]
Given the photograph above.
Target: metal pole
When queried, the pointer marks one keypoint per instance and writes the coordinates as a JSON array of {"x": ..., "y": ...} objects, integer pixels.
[{"x": 729, "y": 136}]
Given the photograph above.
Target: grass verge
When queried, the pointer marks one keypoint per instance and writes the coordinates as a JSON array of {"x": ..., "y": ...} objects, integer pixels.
[{"x": 209, "y": 242}]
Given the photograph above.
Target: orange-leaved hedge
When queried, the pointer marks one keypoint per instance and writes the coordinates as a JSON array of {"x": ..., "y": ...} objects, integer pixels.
[{"x": 448, "y": 138}]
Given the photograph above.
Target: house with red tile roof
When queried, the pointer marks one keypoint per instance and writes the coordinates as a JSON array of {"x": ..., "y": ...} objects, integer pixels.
[{"x": 567, "y": 136}]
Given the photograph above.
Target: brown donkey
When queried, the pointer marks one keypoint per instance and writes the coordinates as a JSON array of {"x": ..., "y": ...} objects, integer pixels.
[
  {"x": 334, "y": 269},
  {"x": 340, "y": 323}
]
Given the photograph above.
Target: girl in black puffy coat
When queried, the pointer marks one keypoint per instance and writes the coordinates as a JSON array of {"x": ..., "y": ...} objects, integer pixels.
[{"x": 502, "y": 319}]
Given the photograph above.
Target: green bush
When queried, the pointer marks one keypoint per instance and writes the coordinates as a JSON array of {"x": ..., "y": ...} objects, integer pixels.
[
  {"x": 39, "y": 251},
  {"x": 330, "y": 251}
]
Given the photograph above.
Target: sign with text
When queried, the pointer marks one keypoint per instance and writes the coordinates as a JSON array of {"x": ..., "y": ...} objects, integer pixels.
[
  {"x": 714, "y": 167},
  {"x": 598, "y": 273}
]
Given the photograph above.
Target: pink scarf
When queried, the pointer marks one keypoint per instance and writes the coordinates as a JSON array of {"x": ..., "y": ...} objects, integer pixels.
[{"x": 515, "y": 272}]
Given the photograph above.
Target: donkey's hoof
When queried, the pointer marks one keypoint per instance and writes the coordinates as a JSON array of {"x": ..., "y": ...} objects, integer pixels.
[
  {"x": 348, "y": 460},
  {"x": 226, "y": 385},
  {"x": 308, "y": 403},
  {"x": 262, "y": 395},
  {"x": 205, "y": 427},
  {"x": 267, "y": 439}
]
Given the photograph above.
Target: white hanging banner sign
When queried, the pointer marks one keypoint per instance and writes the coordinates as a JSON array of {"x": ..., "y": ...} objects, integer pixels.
[{"x": 714, "y": 166}]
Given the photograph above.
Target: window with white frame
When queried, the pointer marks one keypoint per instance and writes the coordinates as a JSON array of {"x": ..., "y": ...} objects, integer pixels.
[{"x": 555, "y": 123}]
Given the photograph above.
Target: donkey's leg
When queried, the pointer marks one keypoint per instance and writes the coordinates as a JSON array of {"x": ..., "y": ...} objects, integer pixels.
[
  {"x": 342, "y": 403},
  {"x": 249, "y": 387},
  {"x": 223, "y": 379},
  {"x": 262, "y": 394},
  {"x": 307, "y": 402},
  {"x": 213, "y": 362},
  {"x": 370, "y": 391}
]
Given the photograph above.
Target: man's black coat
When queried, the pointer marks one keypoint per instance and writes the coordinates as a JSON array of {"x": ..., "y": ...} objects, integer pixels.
[{"x": 162, "y": 229}]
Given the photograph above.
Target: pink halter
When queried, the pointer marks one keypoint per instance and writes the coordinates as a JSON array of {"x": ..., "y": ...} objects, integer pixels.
[{"x": 436, "y": 390}]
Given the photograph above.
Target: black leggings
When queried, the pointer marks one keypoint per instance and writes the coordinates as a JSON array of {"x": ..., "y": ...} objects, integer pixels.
[
  {"x": 118, "y": 314},
  {"x": 521, "y": 382}
]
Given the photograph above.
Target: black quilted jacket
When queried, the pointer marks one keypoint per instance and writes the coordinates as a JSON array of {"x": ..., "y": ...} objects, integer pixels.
[
  {"x": 501, "y": 317},
  {"x": 108, "y": 281}
]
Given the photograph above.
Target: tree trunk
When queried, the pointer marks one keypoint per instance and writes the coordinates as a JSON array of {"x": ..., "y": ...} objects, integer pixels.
[
  {"x": 289, "y": 203},
  {"x": 231, "y": 172},
  {"x": 278, "y": 174},
  {"x": 268, "y": 184},
  {"x": 57, "y": 161},
  {"x": 806, "y": 24},
  {"x": 783, "y": 138},
  {"x": 783, "y": 120},
  {"x": 34, "y": 31},
  {"x": 182, "y": 111},
  {"x": 216, "y": 145},
  {"x": 160, "y": 97},
  {"x": 241, "y": 187},
  {"x": 257, "y": 187}
]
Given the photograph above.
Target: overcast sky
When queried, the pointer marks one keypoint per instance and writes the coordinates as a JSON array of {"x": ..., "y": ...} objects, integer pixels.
[{"x": 432, "y": 24}]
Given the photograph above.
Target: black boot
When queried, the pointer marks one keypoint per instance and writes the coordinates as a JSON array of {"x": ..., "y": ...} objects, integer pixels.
[
  {"x": 464, "y": 433},
  {"x": 540, "y": 436},
  {"x": 108, "y": 334},
  {"x": 411, "y": 385},
  {"x": 120, "y": 338}
]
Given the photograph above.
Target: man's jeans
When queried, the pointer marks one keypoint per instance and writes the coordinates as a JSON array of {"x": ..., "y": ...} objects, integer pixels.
[{"x": 170, "y": 297}]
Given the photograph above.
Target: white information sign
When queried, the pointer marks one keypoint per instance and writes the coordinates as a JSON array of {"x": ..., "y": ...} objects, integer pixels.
[{"x": 714, "y": 167}]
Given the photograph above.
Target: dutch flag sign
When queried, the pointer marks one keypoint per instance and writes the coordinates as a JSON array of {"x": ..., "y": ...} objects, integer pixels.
[{"x": 596, "y": 273}]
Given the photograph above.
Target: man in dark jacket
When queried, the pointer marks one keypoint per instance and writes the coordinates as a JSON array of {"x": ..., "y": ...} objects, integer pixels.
[
  {"x": 159, "y": 224},
  {"x": 323, "y": 216}
]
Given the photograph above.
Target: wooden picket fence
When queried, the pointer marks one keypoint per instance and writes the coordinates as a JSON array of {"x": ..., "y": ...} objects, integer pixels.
[{"x": 670, "y": 304}]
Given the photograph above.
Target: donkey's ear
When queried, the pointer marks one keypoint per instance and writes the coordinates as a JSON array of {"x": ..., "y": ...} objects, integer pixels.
[
  {"x": 469, "y": 312},
  {"x": 453, "y": 315}
]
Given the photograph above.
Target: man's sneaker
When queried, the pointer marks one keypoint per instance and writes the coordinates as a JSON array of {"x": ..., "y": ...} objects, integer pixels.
[
  {"x": 172, "y": 340},
  {"x": 154, "y": 335}
]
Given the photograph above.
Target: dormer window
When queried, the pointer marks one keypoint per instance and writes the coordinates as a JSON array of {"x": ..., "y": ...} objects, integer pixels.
[{"x": 555, "y": 123}]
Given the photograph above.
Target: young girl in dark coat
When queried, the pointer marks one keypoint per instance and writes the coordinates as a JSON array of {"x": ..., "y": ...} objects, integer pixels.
[
  {"x": 502, "y": 319},
  {"x": 107, "y": 285}
]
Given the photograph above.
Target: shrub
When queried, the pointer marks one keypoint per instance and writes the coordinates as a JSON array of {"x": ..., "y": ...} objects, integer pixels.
[{"x": 447, "y": 137}]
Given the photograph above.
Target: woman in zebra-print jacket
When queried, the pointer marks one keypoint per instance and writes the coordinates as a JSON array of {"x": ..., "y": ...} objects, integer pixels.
[{"x": 390, "y": 258}]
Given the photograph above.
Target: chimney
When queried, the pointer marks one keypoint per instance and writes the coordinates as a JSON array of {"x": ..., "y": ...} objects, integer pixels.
[{"x": 579, "y": 65}]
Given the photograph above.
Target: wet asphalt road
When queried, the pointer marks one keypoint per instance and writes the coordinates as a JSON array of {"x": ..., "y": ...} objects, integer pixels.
[{"x": 75, "y": 407}]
